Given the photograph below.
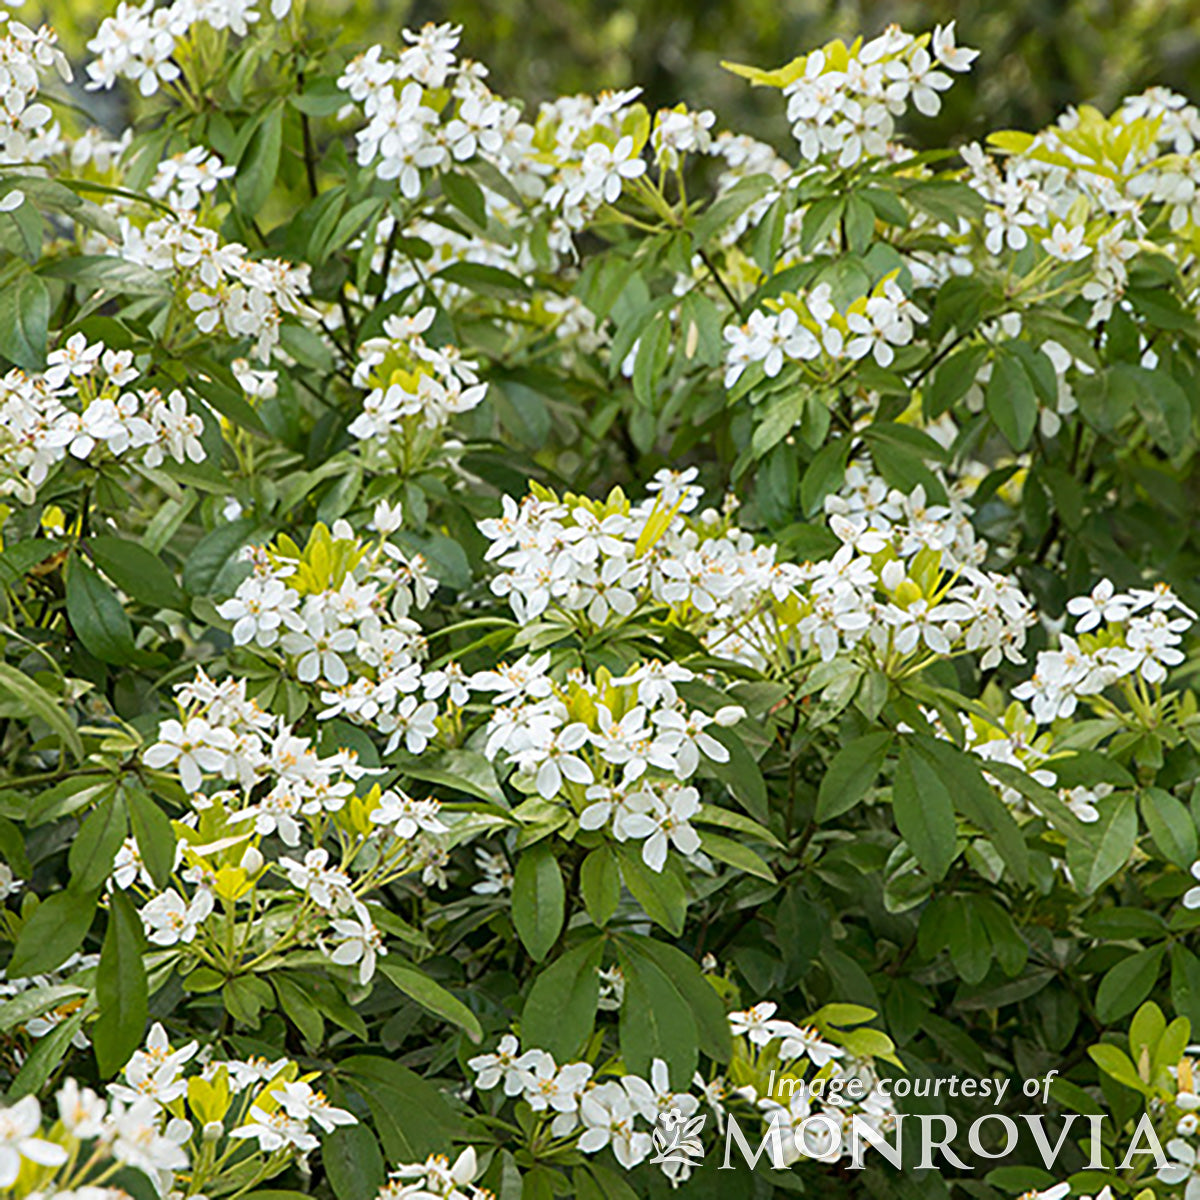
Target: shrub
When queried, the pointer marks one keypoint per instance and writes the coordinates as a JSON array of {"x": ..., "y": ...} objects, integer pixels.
[{"x": 553, "y": 625}]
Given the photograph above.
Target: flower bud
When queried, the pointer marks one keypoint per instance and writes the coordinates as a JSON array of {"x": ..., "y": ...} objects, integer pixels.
[
  {"x": 213, "y": 1131},
  {"x": 252, "y": 860},
  {"x": 892, "y": 574}
]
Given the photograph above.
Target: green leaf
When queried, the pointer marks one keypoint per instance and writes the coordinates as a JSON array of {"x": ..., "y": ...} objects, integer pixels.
[
  {"x": 820, "y": 220},
  {"x": 224, "y": 399},
  {"x": 41, "y": 704},
  {"x": 411, "y": 1117},
  {"x": 974, "y": 799},
  {"x": 351, "y": 1158},
  {"x": 298, "y": 1007},
  {"x": 1127, "y": 984},
  {"x": 1160, "y": 402},
  {"x": 121, "y": 989},
  {"x": 651, "y": 359},
  {"x": 96, "y": 844},
  {"x": 730, "y": 205},
  {"x": 741, "y": 774},
  {"x": 1010, "y": 398},
  {"x": 600, "y": 881},
  {"x": 953, "y": 379},
  {"x": 538, "y": 899},
  {"x": 487, "y": 281},
  {"x": 824, "y": 474},
  {"x": 467, "y": 196},
  {"x": 26, "y": 1005},
  {"x": 137, "y": 572},
  {"x": 12, "y": 847},
  {"x": 1112, "y": 842},
  {"x": 24, "y": 321},
  {"x": 945, "y": 199},
  {"x": 924, "y": 813},
  {"x": 734, "y": 854},
  {"x": 1044, "y": 800},
  {"x": 431, "y": 995},
  {"x": 660, "y": 894},
  {"x": 560, "y": 1010},
  {"x": 97, "y": 617},
  {"x": 711, "y": 814},
  {"x": 708, "y": 1010},
  {"x": 259, "y": 164},
  {"x": 154, "y": 834},
  {"x": 53, "y": 933},
  {"x": 1171, "y": 826},
  {"x": 214, "y": 552},
  {"x": 859, "y": 224},
  {"x": 1115, "y": 1062},
  {"x": 852, "y": 772},
  {"x": 45, "y": 1056},
  {"x": 656, "y": 1021}
]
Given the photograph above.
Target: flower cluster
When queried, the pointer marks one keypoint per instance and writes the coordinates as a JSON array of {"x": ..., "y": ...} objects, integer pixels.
[
  {"x": 1121, "y": 638},
  {"x": 619, "y": 750},
  {"x": 82, "y": 408},
  {"x": 139, "y": 41},
  {"x": 415, "y": 389},
  {"x": 776, "y": 1045},
  {"x": 181, "y": 180},
  {"x": 603, "y": 1110},
  {"x": 843, "y": 102},
  {"x": 281, "y": 787},
  {"x": 26, "y": 133},
  {"x": 218, "y": 283},
  {"x": 426, "y": 112},
  {"x": 809, "y": 327},
  {"x": 436, "y": 1177},
  {"x": 184, "y": 1132},
  {"x": 338, "y": 611}
]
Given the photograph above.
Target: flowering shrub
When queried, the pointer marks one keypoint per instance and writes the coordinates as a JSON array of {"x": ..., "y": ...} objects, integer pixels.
[{"x": 582, "y": 631}]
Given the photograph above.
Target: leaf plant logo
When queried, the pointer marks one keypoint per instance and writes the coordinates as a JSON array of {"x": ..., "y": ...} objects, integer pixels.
[{"x": 677, "y": 1138}]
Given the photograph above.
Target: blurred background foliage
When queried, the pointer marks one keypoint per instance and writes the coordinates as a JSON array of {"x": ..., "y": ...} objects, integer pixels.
[{"x": 1038, "y": 56}]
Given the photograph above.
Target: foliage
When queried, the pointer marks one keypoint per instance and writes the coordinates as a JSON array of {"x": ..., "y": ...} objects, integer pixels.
[{"x": 524, "y": 615}]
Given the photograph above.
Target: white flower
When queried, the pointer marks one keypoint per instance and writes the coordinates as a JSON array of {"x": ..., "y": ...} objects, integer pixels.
[
  {"x": 560, "y": 760},
  {"x": 360, "y": 943},
  {"x": 193, "y": 748},
  {"x": 138, "y": 1142},
  {"x": 1067, "y": 245},
  {"x": 507, "y": 1065},
  {"x": 809, "y": 1043},
  {"x": 320, "y": 649},
  {"x": 18, "y": 1125},
  {"x": 663, "y": 822},
  {"x": 301, "y": 1103},
  {"x": 436, "y": 1178},
  {"x": 1185, "y": 1166},
  {"x": 605, "y": 170},
  {"x": 956, "y": 58},
  {"x": 81, "y": 1111},
  {"x": 407, "y": 816},
  {"x": 258, "y": 610},
  {"x": 755, "y": 1023},
  {"x": 608, "y": 1120},
  {"x": 169, "y": 919},
  {"x": 1103, "y": 604},
  {"x": 276, "y": 1130},
  {"x": 9, "y": 883}
]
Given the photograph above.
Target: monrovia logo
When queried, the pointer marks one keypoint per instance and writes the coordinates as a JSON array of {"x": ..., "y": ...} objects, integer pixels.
[
  {"x": 823, "y": 1137},
  {"x": 677, "y": 1138}
]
